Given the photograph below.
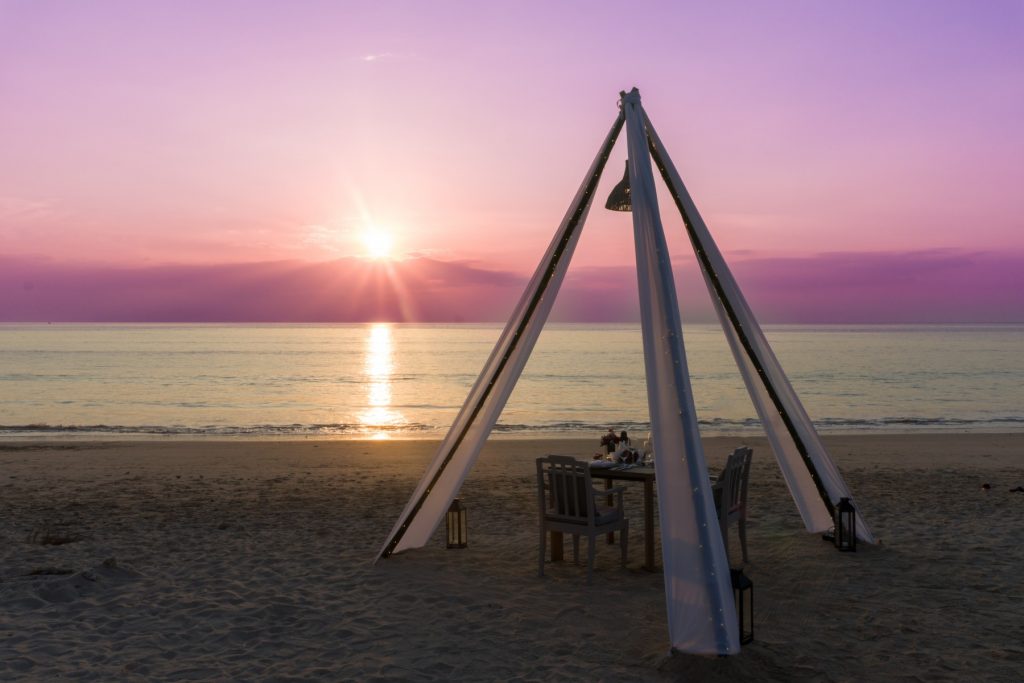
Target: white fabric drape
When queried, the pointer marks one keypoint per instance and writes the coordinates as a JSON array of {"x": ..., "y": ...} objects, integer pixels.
[
  {"x": 698, "y": 590},
  {"x": 487, "y": 398},
  {"x": 798, "y": 478}
]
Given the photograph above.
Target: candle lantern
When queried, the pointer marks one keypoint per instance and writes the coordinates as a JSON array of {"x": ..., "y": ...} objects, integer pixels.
[
  {"x": 846, "y": 526},
  {"x": 455, "y": 524},
  {"x": 743, "y": 592}
]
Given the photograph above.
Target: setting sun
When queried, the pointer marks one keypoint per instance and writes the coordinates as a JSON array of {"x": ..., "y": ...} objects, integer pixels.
[{"x": 378, "y": 243}]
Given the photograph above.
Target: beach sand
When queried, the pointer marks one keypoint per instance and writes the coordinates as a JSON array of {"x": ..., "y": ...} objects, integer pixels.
[{"x": 253, "y": 561}]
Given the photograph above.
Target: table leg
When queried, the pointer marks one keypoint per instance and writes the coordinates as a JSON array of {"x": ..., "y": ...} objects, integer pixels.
[
  {"x": 556, "y": 546},
  {"x": 649, "y": 525},
  {"x": 609, "y": 501}
]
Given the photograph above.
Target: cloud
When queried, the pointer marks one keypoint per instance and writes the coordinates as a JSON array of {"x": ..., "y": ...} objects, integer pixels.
[
  {"x": 939, "y": 285},
  {"x": 386, "y": 57},
  {"x": 844, "y": 287},
  {"x": 331, "y": 239},
  {"x": 344, "y": 290},
  {"x": 22, "y": 210},
  {"x": 929, "y": 286}
]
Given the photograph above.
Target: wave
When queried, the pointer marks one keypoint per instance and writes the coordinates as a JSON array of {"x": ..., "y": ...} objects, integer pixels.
[
  {"x": 216, "y": 430},
  {"x": 412, "y": 430},
  {"x": 825, "y": 425}
]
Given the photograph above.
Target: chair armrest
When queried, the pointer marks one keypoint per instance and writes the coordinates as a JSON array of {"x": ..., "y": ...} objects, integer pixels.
[
  {"x": 616, "y": 490},
  {"x": 608, "y": 492}
]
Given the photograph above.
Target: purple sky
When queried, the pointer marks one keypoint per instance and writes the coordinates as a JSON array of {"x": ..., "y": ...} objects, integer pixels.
[{"x": 223, "y": 160}]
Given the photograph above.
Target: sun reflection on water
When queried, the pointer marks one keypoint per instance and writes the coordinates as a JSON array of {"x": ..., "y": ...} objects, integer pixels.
[{"x": 379, "y": 418}]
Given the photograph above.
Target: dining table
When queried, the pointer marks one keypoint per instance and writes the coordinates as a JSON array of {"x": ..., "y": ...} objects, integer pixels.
[{"x": 645, "y": 475}]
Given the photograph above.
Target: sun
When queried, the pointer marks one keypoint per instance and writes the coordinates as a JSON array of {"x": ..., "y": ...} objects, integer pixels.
[{"x": 378, "y": 243}]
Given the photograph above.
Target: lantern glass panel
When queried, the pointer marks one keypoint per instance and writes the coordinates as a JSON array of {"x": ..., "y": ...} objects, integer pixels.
[
  {"x": 455, "y": 525},
  {"x": 846, "y": 526}
]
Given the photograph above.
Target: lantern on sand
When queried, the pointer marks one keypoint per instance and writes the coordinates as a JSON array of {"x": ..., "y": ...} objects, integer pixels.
[
  {"x": 455, "y": 524},
  {"x": 846, "y": 526}
]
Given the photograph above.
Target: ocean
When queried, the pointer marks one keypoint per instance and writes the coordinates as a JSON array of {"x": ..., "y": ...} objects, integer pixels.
[{"x": 408, "y": 381}]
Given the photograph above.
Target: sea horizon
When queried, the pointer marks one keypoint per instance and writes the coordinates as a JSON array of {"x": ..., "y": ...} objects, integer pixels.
[{"x": 153, "y": 381}]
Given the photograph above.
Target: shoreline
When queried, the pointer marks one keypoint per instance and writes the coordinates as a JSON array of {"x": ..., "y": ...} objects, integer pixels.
[
  {"x": 57, "y": 436},
  {"x": 1004, "y": 448},
  {"x": 248, "y": 560}
]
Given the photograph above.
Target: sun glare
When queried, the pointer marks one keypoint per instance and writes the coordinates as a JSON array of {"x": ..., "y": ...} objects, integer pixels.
[
  {"x": 379, "y": 417},
  {"x": 378, "y": 243}
]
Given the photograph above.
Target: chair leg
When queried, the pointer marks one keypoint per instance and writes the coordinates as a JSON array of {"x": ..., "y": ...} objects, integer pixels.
[
  {"x": 591, "y": 542},
  {"x": 543, "y": 549},
  {"x": 624, "y": 540},
  {"x": 725, "y": 537},
  {"x": 742, "y": 529},
  {"x": 575, "y": 548}
]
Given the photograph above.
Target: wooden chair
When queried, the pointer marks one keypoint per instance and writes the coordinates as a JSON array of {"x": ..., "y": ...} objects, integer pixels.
[
  {"x": 730, "y": 489},
  {"x": 568, "y": 503}
]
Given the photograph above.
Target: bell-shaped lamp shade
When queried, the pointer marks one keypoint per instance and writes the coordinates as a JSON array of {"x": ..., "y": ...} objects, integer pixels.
[{"x": 619, "y": 199}]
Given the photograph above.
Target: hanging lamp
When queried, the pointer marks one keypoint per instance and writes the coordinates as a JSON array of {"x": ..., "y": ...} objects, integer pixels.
[{"x": 619, "y": 199}]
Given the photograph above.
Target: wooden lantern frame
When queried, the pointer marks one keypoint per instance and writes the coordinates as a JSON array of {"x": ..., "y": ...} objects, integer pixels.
[{"x": 455, "y": 523}]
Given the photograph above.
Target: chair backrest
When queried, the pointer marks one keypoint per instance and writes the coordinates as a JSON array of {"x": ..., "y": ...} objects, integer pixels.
[
  {"x": 748, "y": 455},
  {"x": 734, "y": 479},
  {"x": 731, "y": 481},
  {"x": 564, "y": 489}
]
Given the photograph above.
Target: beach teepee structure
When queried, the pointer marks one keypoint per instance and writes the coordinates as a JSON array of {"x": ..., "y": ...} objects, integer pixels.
[{"x": 698, "y": 593}]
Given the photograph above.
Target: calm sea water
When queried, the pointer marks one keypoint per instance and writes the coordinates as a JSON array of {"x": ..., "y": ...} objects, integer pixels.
[{"x": 381, "y": 380}]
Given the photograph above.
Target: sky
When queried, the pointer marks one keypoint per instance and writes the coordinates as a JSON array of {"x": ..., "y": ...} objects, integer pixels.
[{"x": 366, "y": 161}]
